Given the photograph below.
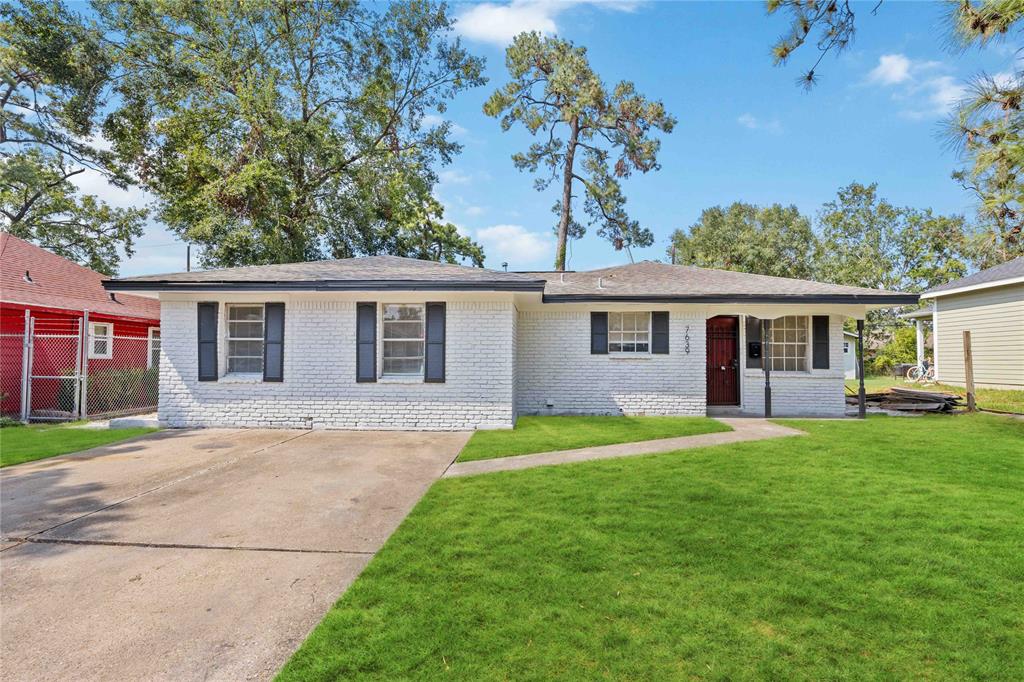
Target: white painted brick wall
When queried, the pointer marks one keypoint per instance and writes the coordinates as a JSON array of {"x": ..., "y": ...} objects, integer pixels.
[
  {"x": 818, "y": 393},
  {"x": 320, "y": 368},
  {"x": 555, "y": 365}
]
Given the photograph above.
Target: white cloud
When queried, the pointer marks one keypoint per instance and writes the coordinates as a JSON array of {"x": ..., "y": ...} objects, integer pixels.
[
  {"x": 498, "y": 23},
  {"x": 750, "y": 121},
  {"x": 944, "y": 92},
  {"x": 1004, "y": 79},
  {"x": 95, "y": 183},
  {"x": 515, "y": 245},
  {"x": 891, "y": 69},
  {"x": 432, "y": 120},
  {"x": 919, "y": 85},
  {"x": 454, "y": 177}
]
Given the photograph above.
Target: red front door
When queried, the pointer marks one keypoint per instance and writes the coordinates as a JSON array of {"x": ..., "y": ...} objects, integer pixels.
[{"x": 723, "y": 360}]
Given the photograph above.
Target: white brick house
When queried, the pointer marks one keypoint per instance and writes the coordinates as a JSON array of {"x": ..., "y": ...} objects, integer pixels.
[{"x": 392, "y": 343}]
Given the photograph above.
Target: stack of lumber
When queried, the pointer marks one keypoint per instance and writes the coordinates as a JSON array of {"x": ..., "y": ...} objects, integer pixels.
[{"x": 910, "y": 400}]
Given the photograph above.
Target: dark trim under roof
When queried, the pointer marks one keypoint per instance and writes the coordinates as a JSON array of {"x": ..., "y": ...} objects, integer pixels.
[
  {"x": 851, "y": 299},
  {"x": 325, "y": 285}
]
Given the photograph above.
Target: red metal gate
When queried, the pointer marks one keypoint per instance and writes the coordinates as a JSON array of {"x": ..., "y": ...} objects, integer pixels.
[{"x": 723, "y": 361}]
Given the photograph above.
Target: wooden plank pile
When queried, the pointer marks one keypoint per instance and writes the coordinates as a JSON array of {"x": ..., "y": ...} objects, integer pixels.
[{"x": 910, "y": 400}]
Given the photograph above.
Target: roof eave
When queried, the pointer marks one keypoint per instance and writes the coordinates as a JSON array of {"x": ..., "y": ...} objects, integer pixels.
[
  {"x": 322, "y": 285},
  {"x": 845, "y": 299},
  {"x": 972, "y": 287}
]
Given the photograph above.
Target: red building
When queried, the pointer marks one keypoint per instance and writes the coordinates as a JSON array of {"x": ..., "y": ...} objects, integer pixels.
[{"x": 121, "y": 342}]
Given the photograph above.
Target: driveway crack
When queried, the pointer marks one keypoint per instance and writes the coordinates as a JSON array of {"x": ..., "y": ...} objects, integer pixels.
[{"x": 177, "y": 545}]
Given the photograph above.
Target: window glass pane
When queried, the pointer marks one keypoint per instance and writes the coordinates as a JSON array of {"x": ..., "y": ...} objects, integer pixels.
[
  {"x": 394, "y": 312},
  {"x": 245, "y": 339},
  {"x": 403, "y": 366},
  {"x": 248, "y": 365},
  {"x": 245, "y": 312},
  {"x": 403, "y": 330},
  {"x": 403, "y": 333},
  {"x": 628, "y": 332}
]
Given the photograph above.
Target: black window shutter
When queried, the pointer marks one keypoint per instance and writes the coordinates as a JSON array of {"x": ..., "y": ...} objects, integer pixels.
[
  {"x": 599, "y": 333},
  {"x": 659, "y": 333},
  {"x": 434, "y": 356},
  {"x": 754, "y": 336},
  {"x": 273, "y": 342},
  {"x": 819, "y": 331},
  {"x": 366, "y": 342},
  {"x": 207, "y": 332}
]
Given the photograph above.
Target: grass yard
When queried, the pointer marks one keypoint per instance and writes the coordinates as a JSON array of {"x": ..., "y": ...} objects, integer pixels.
[
  {"x": 19, "y": 444},
  {"x": 987, "y": 398},
  {"x": 885, "y": 549},
  {"x": 542, "y": 434}
]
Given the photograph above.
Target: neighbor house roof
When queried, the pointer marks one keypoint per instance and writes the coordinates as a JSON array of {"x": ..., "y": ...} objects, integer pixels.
[
  {"x": 366, "y": 273},
  {"x": 1010, "y": 272},
  {"x": 32, "y": 276},
  {"x": 651, "y": 281},
  {"x": 647, "y": 281}
]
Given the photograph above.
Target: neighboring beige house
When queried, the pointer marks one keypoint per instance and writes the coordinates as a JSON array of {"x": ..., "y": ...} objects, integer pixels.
[{"x": 990, "y": 304}]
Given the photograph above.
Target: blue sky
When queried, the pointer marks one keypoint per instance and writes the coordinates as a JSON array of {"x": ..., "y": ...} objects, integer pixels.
[{"x": 745, "y": 131}]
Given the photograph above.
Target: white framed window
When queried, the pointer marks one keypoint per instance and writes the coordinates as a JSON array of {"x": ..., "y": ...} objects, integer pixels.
[
  {"x": 153, "y": 347},
  {"x": 101, "y": 340},
  {"x": 245, "y": 339},
  {"x": 629, "y": 332},
  {"x": 789, "y": 344},
  {"x": 402, "y": 337},
  {"x": 846, "y": 346}
]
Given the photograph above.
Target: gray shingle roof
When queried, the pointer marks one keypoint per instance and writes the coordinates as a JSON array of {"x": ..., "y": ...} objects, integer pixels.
[
  {"x": 646, "y": 281},
  {"x": 1008, "y": 270},
  {"x": 369, "y": 272},
  {"x": 661, "y": 281}
]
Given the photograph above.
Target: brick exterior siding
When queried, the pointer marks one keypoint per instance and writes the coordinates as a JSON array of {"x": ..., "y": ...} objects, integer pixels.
[
  {"x": 817, "y": 393},
  {"x": 500, "y": 362},
  {"x": 319, "y": 387},
  {"x": 556, "y": 367}
]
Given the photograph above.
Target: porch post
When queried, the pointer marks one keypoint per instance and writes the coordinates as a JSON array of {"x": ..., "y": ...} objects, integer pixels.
[
  {"x": 766, "y": 361},
  {"x": 861, "y": 398},
  {"x": 920, "y": 340}
]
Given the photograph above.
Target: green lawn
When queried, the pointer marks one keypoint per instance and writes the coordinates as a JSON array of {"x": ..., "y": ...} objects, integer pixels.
[
  {"x": 541, "y": 434},
  {"x": 20, "y": 444},
  {"x": 885, "y": 549},
  {"x": 987, "y": 398}
]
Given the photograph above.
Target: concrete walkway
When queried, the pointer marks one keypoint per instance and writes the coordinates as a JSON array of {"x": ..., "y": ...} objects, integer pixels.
[{"x": 744, "y": 429}]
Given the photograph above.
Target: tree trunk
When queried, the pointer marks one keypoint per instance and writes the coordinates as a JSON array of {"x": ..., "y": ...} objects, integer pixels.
[{"x": 566, "y": 214}]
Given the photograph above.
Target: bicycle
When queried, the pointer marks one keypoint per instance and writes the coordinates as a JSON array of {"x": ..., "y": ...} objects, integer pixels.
[{"x": 922, "y": 373}]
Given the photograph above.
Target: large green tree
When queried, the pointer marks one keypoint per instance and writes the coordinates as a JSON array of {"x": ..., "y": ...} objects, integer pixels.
[
  {"x": 554, "y": 93},
  {"x": 865, "y": 241},
  {"x": 285, "y": 130},
  {"x": 773, "y": 240},
  {"x": 986, "y": 128},
  {"x": 56, "y": 74}
]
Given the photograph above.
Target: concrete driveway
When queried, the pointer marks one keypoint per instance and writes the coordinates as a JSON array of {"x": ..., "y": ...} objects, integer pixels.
[{"x": 192, "y": 555}]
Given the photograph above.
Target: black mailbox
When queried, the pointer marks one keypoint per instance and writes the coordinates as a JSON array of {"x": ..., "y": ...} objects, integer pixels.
[{"x": 754, "y": 349}]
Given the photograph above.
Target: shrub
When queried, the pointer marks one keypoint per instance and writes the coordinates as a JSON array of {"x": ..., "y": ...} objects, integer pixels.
[{"x": 901, "y": 348}]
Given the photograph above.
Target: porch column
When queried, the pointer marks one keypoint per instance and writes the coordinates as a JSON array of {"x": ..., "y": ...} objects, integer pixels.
[
  {"x": 920, "y": 340},
  {"x": 766, "y": 361},
  {"x": 861, "y": 398}
]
